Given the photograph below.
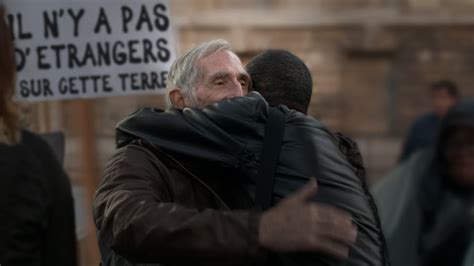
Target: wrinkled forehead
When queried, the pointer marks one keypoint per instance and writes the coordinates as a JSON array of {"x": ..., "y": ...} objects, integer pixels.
[
  {"x": 235, "y": 57},
  {"x": 220, "y": 59}
]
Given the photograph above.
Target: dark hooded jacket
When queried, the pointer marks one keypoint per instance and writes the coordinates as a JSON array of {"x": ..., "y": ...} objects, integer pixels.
[
  {"x": 229, "y": 135},
  {"x": 425, "y": 216}
]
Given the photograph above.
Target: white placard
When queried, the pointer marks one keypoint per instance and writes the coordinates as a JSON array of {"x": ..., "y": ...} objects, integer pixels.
[{"x": 90, "y": 48}]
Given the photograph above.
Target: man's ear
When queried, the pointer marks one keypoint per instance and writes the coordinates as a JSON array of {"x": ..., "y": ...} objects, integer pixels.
[{"x": 177, "y": 99}]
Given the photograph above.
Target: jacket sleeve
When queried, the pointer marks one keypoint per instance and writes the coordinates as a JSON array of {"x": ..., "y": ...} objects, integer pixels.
[
  {"x": 396, "y": 196},
  {"x": 137, "y": 218}
]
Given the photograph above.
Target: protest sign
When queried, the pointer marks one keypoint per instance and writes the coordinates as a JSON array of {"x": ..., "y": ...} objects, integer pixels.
[{"x": 90, "y": 48}]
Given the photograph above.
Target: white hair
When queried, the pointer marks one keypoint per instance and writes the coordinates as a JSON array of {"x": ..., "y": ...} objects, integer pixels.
[{"x": 185, "y": 72}]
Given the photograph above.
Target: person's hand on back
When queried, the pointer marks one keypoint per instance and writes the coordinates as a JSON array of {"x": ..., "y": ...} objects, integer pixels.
[{"x": 295, "y": 224}]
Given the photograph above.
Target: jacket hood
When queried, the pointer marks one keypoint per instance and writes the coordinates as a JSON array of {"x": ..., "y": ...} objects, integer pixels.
[
  {"x": 460, "y": 115},
  {"x": 444, "y": 204},
  {"x": 435, "y": 180}
]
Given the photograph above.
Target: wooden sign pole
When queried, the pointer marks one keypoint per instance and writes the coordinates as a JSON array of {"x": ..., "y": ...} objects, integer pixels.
[{"x": 88, "y": 150}]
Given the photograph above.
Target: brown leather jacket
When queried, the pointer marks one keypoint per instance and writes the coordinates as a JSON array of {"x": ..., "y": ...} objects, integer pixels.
[{"x": 149, "y": 208}]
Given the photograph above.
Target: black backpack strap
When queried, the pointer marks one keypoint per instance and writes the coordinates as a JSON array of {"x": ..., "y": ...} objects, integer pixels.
[{"x": 274, "y": 130}]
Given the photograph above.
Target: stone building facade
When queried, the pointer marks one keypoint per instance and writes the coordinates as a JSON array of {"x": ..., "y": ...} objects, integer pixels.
[{"x": 371, "y": 62}]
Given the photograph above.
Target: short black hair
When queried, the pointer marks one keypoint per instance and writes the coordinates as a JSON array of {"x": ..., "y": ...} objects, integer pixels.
[
  {"x": 445, "y": 84},
  {"x": 281, "y": 78}
]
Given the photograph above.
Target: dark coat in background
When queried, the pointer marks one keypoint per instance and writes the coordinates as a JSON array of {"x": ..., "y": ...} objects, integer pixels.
[
  {"x": 423, "y": 134},
  {"x": 36, "y": 206}
]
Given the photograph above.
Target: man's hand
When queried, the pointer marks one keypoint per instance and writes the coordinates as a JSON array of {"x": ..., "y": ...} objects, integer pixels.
[{"x": 295, "y": 224}]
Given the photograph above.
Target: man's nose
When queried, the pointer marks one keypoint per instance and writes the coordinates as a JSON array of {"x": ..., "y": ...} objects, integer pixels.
[{"x": 236, "y": 89}]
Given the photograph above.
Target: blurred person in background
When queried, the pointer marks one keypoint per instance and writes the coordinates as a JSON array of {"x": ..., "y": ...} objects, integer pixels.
[
  {"x": 36, "y": 207},
  {"x": 426, "y": 204},
  {"x": 423, "y": 133}
]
